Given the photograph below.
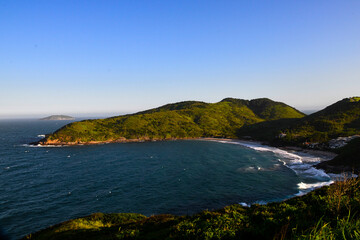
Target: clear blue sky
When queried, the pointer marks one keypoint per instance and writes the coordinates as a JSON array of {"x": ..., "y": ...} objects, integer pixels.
[{"x": 83, "y": 57}]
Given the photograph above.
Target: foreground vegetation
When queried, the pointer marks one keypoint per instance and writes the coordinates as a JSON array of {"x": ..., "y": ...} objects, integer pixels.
[
  {"x": 180, "y": 120},
  {"x": 330, "y": 212}
]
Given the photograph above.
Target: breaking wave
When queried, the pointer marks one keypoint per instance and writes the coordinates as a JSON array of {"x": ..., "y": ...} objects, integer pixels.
[
  {"x": 42, "y": 146},
  {"x": 305, "y": 186},
  {"x": 301, "y": 163}
]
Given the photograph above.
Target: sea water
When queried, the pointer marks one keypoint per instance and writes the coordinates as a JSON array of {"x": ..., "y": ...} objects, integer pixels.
[{"x": 42, "y": 186}]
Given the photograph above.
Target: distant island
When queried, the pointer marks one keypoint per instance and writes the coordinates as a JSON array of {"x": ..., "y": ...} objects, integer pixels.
[{"x": 58, "y": 117}]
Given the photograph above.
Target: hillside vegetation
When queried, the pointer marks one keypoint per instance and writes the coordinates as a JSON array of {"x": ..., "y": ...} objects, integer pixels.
[
  {"x": 327, "y": 213},
  {"x": 189, "y": 119},
  {"x": 339, "y": 119}
]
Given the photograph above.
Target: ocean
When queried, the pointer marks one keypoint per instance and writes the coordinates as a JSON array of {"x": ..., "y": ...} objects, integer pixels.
[{"x": 42, "y": 186}]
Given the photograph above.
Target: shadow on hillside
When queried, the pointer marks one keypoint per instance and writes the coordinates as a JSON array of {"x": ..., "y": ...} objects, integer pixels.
[{"x": 266, "y": 131}]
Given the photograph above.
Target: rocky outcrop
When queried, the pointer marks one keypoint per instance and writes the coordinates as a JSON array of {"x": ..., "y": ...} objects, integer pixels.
[
  {"x": 56, "y": 142},
  {"x": 341, "y": 141}
]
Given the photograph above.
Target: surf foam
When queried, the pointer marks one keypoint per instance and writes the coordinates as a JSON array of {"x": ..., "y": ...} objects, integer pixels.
[
  {"x": 42, "y": 146},
  {"x": 301, "y": 163},
  {"x": 304, "y": 186}
]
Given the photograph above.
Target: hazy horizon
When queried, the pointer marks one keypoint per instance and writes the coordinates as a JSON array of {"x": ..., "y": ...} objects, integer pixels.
[
  {"x": 106, "y": 114},
  {"x": 86, "y": 58}
]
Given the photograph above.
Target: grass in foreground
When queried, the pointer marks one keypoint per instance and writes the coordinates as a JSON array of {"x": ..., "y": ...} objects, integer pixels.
[{"x": 330, "y": 212}]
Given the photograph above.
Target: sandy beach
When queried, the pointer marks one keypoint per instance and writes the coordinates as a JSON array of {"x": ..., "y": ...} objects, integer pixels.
[{"x": 317, "y": 153}]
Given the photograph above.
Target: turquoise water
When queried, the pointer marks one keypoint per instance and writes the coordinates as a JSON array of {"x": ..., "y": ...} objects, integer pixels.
[{"x": 42, "y": 186}]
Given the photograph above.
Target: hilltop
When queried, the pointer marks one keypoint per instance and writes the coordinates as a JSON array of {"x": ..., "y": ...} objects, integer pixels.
[
  {"x": 58, "y": 117},
  {"x": 189, "y": 119}
]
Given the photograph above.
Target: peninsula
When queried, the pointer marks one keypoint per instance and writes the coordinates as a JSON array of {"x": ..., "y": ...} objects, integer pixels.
[
  {"x": 183, "y": 120},
  {"x": 262, "y": 119}
]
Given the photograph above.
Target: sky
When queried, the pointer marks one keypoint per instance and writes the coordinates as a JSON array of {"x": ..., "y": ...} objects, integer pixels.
[{"x": 115, "y": 57}]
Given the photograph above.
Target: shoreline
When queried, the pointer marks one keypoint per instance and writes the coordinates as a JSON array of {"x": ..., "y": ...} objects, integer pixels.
[
  {"x": 120, "y": 140},
  {"x": 291, "y": 149},
  {"x": 322, "y": 154},
  {"x": 317, "y": 153},
  {"x": 124, "y": 140}
]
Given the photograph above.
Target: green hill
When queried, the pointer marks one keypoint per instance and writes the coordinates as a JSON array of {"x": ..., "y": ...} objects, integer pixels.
[
  {"x": 189, "y": 119},
  {"x": 326, "y": 213},
  {"x": 339, "y": 119}
]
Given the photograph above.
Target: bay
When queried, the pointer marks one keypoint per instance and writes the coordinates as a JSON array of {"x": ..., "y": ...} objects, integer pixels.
[{"x": 42, "y": 186}]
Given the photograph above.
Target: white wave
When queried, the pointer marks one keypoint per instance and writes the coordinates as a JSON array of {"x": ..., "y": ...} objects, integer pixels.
[
  {"x": 244, "y": 204},
  {"x": 307, "y": 187},
  {"x": 263, "y": 148},
  {"x": 252, "y": 169},
  {"x": 41, "y": 135},
  {"x": 311, "y": 186},
  {"x": 300, "y": 163},
  {"x": 283, "y": 162},
  {"x": 316, "y": 172},
  {"x": 42, "y": 146}
]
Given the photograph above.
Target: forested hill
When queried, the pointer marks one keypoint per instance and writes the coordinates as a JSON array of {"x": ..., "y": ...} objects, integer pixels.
[
  {"x": 188, "y": 119},
  {"x": 339, "y": 119}
]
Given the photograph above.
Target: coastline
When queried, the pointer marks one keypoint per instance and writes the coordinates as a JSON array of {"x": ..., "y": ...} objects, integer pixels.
[
  {"x": 303, "y": 188},
  {"x": 317, "y": 153},
  {"x": 289, "y": 149},
  {"x": 42, "y": 142},
  {"x": 334, "y": 172},
  {"x": 124, "y": 140},
  {"x": 317, "y": 167},
  {"x": 322, "y": 154}
]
